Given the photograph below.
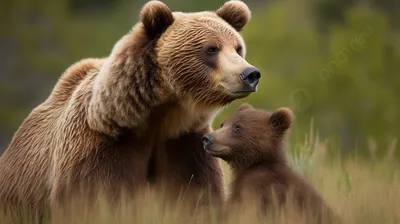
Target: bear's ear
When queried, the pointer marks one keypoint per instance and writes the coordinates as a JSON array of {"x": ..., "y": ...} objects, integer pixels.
[
  {"x": 245, "y": 106},
  {"x": 236, "y": 13},
  {"x": 156, "y": 17},
  {"x": 281, "y": 119}
]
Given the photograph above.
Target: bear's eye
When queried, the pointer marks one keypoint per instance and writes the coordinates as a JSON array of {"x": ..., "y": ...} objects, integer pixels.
[
  {"x": 221, "y": 125},
  {"x": 239, "y": 49},
  {"x": 212, "y": 50},
  {"x": 236, "y": 128}
]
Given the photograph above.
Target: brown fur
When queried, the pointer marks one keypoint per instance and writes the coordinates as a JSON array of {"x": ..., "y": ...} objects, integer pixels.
[
  {"x": 235, "y": 13},
  {"x": 107, "y": 120},
  {"x": 188, "y": 172},
  {"x": 251, "y": 141}
]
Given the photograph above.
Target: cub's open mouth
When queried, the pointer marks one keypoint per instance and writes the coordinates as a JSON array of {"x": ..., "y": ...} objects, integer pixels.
[
  {"x": 215, "y": 150},
  {"x": 212, "y": 151},
  {"x": 209, "y": 149}
]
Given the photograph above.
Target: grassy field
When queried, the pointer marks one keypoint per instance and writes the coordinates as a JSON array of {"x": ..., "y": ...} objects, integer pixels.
[{"x": 359, "y": 191}]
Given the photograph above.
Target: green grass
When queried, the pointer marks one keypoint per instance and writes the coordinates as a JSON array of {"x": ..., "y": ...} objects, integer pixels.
[{"x": 359, "y": 191}]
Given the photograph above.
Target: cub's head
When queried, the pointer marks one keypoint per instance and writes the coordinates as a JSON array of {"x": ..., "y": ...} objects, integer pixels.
[
  {"x": 202, "y": 54},
  {"x": 250, "y": 136}
]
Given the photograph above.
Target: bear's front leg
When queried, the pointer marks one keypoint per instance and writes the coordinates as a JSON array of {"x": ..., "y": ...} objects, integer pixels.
[{"x": 186, "y": 172}]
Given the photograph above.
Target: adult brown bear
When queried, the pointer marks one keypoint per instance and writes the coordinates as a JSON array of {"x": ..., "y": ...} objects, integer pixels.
[{"x": 106, "y": 119}]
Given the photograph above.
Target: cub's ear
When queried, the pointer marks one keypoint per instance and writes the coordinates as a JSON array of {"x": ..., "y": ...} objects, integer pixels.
[
  {"x": 156, "y": 17},
  {"x": 281, "y": 119},
  {"x": 236, "y": 13},
  {"x": 245, "y": 106}
]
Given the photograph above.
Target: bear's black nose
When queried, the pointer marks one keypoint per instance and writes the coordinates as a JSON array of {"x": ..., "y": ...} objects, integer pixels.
[
  {"x": 207, "y": 139},
  {"x": 250, "y": 77}
]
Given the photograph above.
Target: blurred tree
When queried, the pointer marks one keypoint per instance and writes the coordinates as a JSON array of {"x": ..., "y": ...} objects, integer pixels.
[
  {"x": 91, "y": 6},
  {"x": 330, "y": 12},
  {"x": 349, "y": 87},
  {"x": 346, "y": 78}
]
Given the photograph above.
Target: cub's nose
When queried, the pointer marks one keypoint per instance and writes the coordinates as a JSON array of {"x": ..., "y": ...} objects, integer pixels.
[
  {"x": 250, "y": 77},
  {"x": 207, "y": 140}
]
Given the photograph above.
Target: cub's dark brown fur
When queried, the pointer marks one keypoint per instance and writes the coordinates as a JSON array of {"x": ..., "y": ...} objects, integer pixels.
[{"x": 251, "y": 141}]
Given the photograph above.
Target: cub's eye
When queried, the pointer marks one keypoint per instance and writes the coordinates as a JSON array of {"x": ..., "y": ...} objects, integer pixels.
[
  {"x": 212, "y": 50},
  {"x": 239, "y": 50},
  {"x": 236, "y": 128},
  {"x": 221, "y": 125}
]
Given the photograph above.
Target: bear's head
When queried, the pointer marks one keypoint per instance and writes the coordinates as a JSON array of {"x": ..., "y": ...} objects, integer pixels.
[
  {"x": 250, "y": 136},
  {"x": 202, "y": 54}
]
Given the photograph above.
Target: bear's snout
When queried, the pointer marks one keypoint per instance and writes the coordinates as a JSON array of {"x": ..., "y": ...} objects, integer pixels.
[
  {"x": 250, "y": 77},
  {"x": 207, "y": 140}
]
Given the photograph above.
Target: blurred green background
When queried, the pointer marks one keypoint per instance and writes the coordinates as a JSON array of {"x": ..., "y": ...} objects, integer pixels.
[{"x": 335, "y": 63}]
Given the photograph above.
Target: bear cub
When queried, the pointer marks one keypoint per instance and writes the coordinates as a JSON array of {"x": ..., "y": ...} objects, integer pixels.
[{"x": 251, "y": 142}]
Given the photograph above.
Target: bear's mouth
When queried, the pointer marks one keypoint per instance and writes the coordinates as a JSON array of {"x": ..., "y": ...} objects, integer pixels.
[
  {"x": 243, "y": 92},
  {"x": 215, "y": 151},
  {"x": 238, "y": 93}
]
